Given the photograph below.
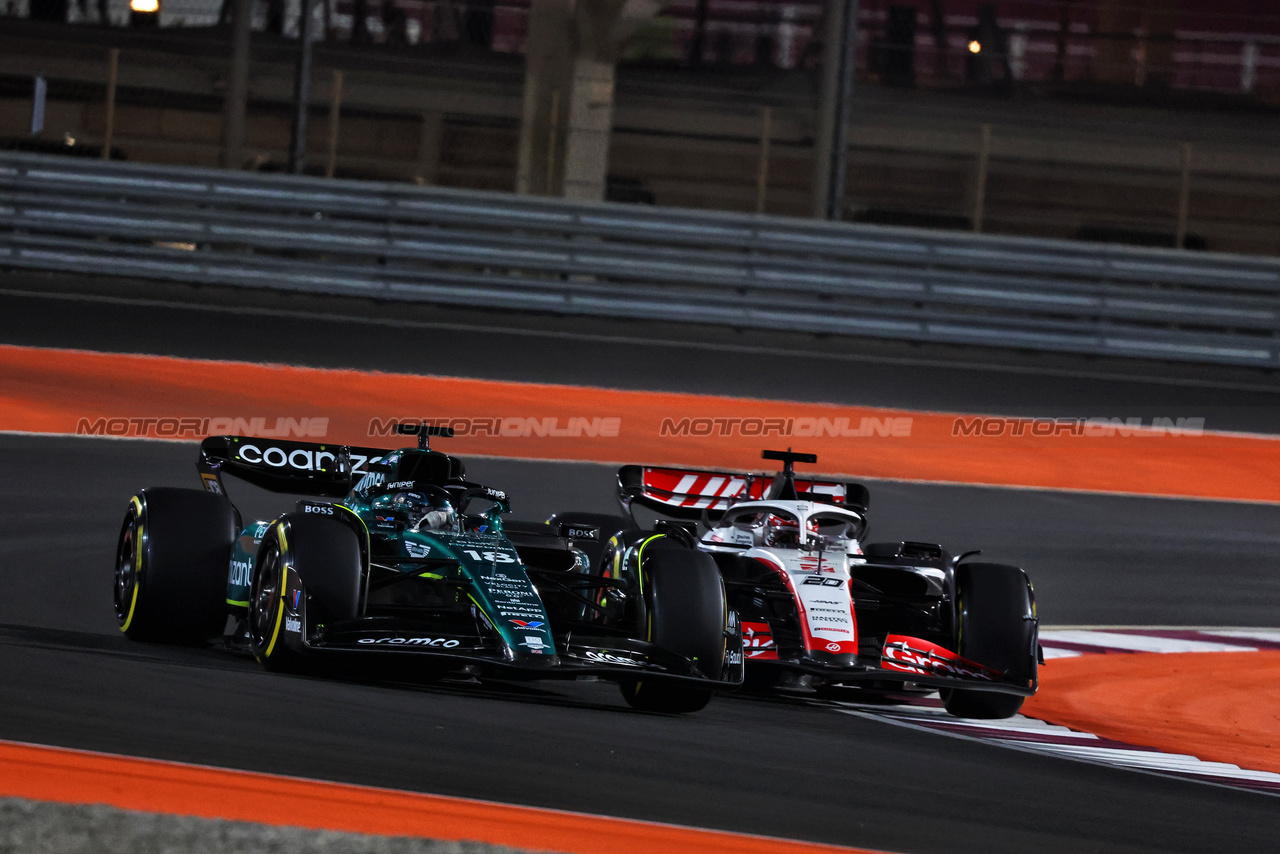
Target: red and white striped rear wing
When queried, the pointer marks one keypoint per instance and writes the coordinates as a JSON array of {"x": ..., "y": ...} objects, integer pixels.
[{"x": 688, "y": 493}]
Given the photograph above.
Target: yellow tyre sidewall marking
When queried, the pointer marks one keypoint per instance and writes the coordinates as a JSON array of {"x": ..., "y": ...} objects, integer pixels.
[
  {"x": 648, "y": 629},
  {"x": 137, "y": 564},
  {"x": 648, "y": 612},
  {"x": 133, "y": 605},
  {"x": 275, "y": 634},
  {"x": 284, "y": 576}
]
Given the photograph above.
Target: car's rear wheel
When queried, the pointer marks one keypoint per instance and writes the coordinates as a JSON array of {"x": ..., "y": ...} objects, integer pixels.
[
  {"x": 686, "y": 609},
  {"x": 325, "y": 557},
  {"x": 172, "y": 558},
  {"x": 996, "y": 627}
]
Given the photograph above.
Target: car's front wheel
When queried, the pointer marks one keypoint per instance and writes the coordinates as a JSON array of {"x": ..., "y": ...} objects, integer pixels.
[
  {"x": 686, "y": 612},
  {"x": 996, "y": 628},
  {"x": 324, "y": 556}
]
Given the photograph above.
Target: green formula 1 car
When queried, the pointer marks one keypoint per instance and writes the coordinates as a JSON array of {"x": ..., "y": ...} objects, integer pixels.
[{"x": 417, "y": 562}]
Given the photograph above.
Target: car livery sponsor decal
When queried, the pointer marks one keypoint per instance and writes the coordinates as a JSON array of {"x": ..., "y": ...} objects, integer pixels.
[
  {"x": 498, "y": 572},
  {"x": 823, "y": 602},
  {"x": 239, "y": 575},
  {"x": 605, "y": 657},
  {"x": 733, "y": 536},
  {"x": 304, "y": 457},
  {"x": 827, "y": 617},
  {"x": 416, "y": 549},
  {"x": 580, "y": 532},
  {"x": 512, "y": 590},
  {"x": 757, "y": 642},
  {"x": 295, "y": 599},
  {"x": 370, "y": 480},
  {"x": 299, "y": 459},
  {"x": 292, "y": 624},
  {"x": 447, "y": 643},
  {"x": 535, "y": 643},
  {"x": 913, "y": 655}
]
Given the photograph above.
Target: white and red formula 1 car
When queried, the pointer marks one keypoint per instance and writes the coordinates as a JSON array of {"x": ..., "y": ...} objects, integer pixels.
[{"x": 817, "y": 607}]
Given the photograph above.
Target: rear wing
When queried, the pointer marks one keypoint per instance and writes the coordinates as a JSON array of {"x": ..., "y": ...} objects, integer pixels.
[
  {"x": 689, "y": 493},
  {"x": 300, "y": 468}
]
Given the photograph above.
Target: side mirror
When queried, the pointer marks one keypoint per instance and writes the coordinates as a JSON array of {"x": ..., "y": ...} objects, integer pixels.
[
  {"x": 500, "y": 501},
  {"x": 493, "y": 519}
]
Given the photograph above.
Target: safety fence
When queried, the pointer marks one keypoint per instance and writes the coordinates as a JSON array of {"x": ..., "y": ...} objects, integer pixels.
[{"x": 400, "y": 242}]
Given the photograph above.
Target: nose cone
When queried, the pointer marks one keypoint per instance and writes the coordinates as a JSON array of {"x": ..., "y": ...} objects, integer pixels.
[{"x": 531, "y": 644}]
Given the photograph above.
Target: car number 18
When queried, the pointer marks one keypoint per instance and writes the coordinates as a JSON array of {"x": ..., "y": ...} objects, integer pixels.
[{"x": 491, "y": 557}]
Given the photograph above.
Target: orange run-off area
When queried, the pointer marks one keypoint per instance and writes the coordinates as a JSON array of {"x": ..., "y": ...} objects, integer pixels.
[
  {"x": 148, "y": 785},
  {"x": 59, "y": 391},
  {"x": 1218, "y": 706}
]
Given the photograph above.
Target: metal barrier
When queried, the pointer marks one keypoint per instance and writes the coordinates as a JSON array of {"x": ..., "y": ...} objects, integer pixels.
[{"x": 400, "y": 242}]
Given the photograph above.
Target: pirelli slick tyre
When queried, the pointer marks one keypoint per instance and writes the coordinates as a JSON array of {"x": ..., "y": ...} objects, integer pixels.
[
  {"x": 996, "y": 627},
  {"x": 323, "y": 556},
  {"x": 171, "y": 565},
  {"x": 686, "y": 608}
]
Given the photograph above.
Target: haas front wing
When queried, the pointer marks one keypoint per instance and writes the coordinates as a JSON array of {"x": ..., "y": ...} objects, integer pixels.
[{"x": 819, "y": 629}]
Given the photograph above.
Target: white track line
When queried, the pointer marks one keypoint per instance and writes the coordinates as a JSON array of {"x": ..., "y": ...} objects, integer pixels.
[
  {"x": 1036, "y": 736},
  {"x": 1268, "y": 635},
  {"x": 1030, "y": 735},
  {"x": 1136, "y": 643}
]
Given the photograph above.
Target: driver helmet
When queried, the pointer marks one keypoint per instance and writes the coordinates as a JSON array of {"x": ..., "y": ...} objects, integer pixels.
[
  {"x": 781, "y": 531},
  {"x": 424, "y": 511},
  {"x": 784, "y": 530}
]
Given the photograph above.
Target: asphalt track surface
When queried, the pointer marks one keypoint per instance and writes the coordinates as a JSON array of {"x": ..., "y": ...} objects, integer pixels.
[{"x": 786, "y": 768}]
